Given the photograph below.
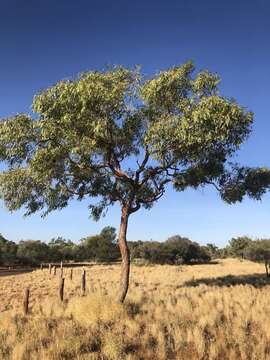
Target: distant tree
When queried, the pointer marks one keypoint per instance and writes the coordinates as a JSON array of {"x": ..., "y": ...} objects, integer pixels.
[
  {"x": 153, "y": 252},
  {"x": 237, "y": 246},
  {"x": 175, "y": 250},
  {"x": 61, "y": 249},
  {"x": 179, "y": 248},
  {"x": 212, "y": 250},
  {"x": 225, "y": 252},
  {"x": 102, "y": 247},
  {"x": 32, "y": 252},
  {"x": 8, "y": 251},
  {"x": 259, "y": 250},
  {"x": 135, "y": 249},
  {"x": 185, "y": 250},
  {"x": 119, "y": 138},
  {"x": 109, "y": 233}
]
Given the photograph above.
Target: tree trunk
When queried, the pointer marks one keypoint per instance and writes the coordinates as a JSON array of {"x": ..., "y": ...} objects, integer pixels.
[
  {"x": 266, "y": 268},
  {"x": 125, "y": 266}
]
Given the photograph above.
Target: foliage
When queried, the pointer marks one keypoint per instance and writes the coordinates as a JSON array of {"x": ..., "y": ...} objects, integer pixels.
[
  {"x": 113, "y": 136},
  {"x": 8, "y": 250},
  {"x": 150, "y": 251},
  {"x": 61, "y": 249},
  {"x": 237, "y": 246},
  {"x": 175, "y": 250},
  {"x": 102, "y": 247},
  {"x": 175, "y": 126},
  {"x": 258, "y": 250},
  {"x": 32, "y": 252},
  {"x": 213, "y": 251}
]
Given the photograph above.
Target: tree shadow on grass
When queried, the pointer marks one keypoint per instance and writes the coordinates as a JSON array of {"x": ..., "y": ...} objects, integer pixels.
[
  {"x": 256, "y": 280},
  {"x": 211, "y": 262}
]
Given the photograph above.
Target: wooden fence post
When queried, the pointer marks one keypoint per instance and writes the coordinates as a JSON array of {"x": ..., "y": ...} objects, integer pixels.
[
  {"x": 41, "y": 266},
  {"x": 61, "y": 272},
  {"x": 50, "y": 269},
  {"x": 61, "y": 289},
  {"x": 26, "y": 301},
  {"x": 54, "y": 270},
  {"x": 83, "y": 282},
  {"x": 71, "y": 274}
]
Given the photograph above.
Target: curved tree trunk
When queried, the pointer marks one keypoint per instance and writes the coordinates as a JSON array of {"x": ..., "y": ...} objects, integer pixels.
[{"x": 125, "y": 266}]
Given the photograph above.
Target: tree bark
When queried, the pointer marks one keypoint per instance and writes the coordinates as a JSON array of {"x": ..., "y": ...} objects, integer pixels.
[
  {"x": 124, "y": 250},
  {"x": 266, "y": 268}
]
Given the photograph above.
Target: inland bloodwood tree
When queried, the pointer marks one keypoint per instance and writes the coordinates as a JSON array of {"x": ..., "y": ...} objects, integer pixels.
[{"x": 116, "y": 137}]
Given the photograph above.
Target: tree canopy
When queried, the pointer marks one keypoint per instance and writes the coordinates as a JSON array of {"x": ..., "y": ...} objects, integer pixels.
[
  {"x": 116, "y": 136},
  {"x": 175, "y": 127}
]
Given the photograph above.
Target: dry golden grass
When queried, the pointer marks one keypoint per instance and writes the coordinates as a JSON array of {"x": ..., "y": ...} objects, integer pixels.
[{"x": 217, "y": 311}]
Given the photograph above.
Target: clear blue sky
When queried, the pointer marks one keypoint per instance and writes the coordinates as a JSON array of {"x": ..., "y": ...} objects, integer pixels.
[{"x": 42, "y": 42}]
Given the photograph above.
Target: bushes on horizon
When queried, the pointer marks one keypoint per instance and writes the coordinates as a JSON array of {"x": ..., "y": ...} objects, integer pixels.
[
  {"x": 258, "y": 250},
  {"x": 237, "y": 246},
  {"x": 213, "y": 251},
  {"x": 175, "y": 250},
  {"x": 8, "y": 251},
  {"x": 61, "y": 249},
  {"x": 32, "y": 252},
  {"x": 101, "y": 247}
]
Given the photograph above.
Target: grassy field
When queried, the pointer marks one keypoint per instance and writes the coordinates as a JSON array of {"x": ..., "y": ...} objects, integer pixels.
[{"x": 215, "y": 311}]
